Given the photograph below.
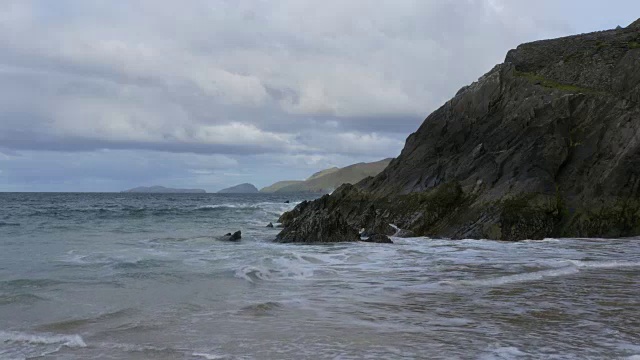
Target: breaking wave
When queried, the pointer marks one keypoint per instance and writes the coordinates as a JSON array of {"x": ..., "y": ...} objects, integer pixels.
[{"x": 42, "y": 339}]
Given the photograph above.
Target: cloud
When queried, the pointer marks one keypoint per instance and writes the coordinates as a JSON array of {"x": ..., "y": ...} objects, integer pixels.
[{"x": 290, "y": 79}]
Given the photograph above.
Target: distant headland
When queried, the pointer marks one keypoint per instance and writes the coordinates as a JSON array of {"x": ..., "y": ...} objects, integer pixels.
[{"x": 245, "y": 188}]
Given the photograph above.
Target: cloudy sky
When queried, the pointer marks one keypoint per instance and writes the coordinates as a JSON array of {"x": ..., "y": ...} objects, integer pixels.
[{"x": 103, "y": 95}]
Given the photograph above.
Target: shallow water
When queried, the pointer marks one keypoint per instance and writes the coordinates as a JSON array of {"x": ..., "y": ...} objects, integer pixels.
[{"x": 134, "y": 276}]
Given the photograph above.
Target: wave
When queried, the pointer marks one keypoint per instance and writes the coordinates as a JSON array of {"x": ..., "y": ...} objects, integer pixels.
[
  {"x": 268, "y": 206},
  {"x": 261, "y": 309},
  {"x": 522, "y": 277},
  {"x": 505, "y": 352},
  {"x": 35, "y": 345},
  {"x": 574, "y": 268},
  {"x": 604, "y": 264},
  {"x": 28, "y": 283},
  {"x": 252, "y": 274},
  {"x": 66, "y": 212},
  {"x": 62, "y": 213},
  {"x": 141, "y": 264},
  {"x": 19, "y": 299},
  {"x": 3, "y": 223},
  {"x": 225, "y": 206},
  {"x": 208, "y": 356},
  {"x": 73, "y": 341},
  {"x": 67, "y": 325},
  {"x": 255, "y": 273}
]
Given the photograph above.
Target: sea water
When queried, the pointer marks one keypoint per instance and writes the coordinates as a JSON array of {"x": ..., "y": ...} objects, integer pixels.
[{"x": 142, "y": 276}]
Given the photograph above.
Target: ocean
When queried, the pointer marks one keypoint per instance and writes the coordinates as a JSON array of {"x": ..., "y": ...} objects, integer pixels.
[{"x": 142, "y": 276}]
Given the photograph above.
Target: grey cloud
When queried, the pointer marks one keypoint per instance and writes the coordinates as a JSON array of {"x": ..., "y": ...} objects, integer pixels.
[{"x": 298, "y": 79}]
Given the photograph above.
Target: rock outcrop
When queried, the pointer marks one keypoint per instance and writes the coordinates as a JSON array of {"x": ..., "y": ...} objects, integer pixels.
[
  {"x": 316, "y": 227},
  {"x": 236, "y": 236},
  {"x": 379, "y": 239},
  {"x": 546, "y": 144}
]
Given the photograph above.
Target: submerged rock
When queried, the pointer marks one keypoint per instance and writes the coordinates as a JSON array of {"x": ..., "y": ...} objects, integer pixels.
[
  {"x": 545, "y": 144},
  {"x": 236, "y": 236},
  {"x": 378, "y": 238}
]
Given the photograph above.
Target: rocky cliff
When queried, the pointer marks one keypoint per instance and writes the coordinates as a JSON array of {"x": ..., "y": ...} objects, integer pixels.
[{"x": 546, "y": 144}]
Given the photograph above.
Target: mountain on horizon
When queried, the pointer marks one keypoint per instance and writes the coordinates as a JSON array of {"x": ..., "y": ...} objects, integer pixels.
[
  {"x": 245, "y": 188},
  {"x": 327, "y": 180}
]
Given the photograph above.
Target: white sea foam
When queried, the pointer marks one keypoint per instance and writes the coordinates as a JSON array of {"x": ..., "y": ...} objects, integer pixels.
[
  {"x": 523, "y": 277},
  {"x": 208, "y": 356},
  {"x": 548, "y": 240},
  {"x": 505, "y": 352},
  {"x": 42, "y": 339},
  {"x": 253, "y": 273},
  {"x": 223, "y": 206},
  {"x": 261, "y": 205},
  {"x": 292, "y": 266},
  {"x": 131, "y": 347},
  {"x": 604, "y": 264}
]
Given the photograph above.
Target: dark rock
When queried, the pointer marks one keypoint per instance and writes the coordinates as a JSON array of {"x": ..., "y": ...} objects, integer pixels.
[
  {"x": 290, "y": 215},
  {"x": 318, "y": 227},
  {"x": 236, "y": 236},
  {"x": 378, "y": 238},
  {"x": 401, "y": 233},
  {"x": 543, "y": 145},
  {"x": 270, "y": 225},
  {"x": 287, "y": 202}
]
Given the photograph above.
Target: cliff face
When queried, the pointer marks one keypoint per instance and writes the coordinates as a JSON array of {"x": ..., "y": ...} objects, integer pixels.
[{"x": 545, "y": 144}]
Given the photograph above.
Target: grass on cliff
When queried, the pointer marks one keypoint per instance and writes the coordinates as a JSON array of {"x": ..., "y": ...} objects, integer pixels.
[
  {"x": 541, "y": 80},
  {"x": 634, "y": 45}
]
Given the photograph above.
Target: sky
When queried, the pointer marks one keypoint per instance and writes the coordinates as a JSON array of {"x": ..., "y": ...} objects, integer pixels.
[{"x": 105, "y": 95}]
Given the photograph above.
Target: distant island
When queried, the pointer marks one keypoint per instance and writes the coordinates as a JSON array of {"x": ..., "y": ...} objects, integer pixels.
[
  {"x": 163, "y": 190},
  {"x": 327, "y": 180},
  {"x": 245, "y": 188}
]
